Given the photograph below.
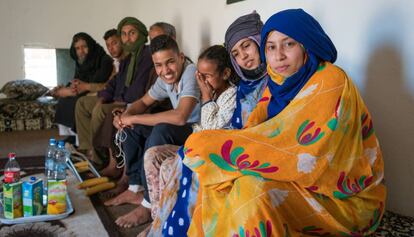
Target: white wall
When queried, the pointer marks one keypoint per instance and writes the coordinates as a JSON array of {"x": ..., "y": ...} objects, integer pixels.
[
  {"x": 51, "y": 23},
  {"x": 365, "y": 33},
  {"x": 351, "y": 24},
  {"x": 373, "y": 37}
]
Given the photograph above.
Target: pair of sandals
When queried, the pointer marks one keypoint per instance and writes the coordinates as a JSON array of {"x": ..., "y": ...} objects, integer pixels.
[{"x": 77, "y": 156}]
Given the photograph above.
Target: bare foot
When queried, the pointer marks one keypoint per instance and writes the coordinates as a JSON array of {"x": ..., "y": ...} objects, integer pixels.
[
  {"x": 145, "y": 232},
  {"x": 121, "y": 186},
  {"x": 138, "y": 216},
  {"x": 111, "y": 170},
  {"x": 96, "y": 162},
  {"x": 126, "y": 197}
]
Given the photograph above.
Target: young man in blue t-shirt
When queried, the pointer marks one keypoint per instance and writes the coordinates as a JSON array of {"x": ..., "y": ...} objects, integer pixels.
[{"x": 176, "y": 81}]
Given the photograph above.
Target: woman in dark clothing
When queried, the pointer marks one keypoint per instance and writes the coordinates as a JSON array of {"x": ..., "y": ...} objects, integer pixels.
[{"x": 93, "y": 68}]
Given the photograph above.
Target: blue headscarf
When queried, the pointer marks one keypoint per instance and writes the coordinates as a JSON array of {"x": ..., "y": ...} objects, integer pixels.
[
  {"x": 303, "y": 28},
  {"x": 249, "y": 90}
]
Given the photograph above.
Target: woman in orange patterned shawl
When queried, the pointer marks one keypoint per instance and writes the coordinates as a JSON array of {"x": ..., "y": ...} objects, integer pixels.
[{"x": 308, "y": 161}]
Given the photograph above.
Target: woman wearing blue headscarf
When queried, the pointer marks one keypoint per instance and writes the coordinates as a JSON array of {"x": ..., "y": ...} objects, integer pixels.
[{"x": 308, "y": 162}]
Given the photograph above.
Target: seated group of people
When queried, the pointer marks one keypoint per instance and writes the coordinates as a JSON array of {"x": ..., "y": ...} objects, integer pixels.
[{"x": 263, "y": 136}]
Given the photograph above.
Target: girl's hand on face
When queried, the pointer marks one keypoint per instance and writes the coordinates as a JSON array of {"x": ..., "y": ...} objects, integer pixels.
[{"x": 207, "y": 91}]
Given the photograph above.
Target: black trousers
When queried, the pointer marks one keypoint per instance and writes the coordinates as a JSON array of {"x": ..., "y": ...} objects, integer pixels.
[
  {"x": 142, "y": 137},
  {"x": 65, "y": 111}
]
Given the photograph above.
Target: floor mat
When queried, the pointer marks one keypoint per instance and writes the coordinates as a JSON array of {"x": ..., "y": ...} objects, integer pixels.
[
  {"x": 38, "y": 229},
  {"x": 395, "y": 225}
]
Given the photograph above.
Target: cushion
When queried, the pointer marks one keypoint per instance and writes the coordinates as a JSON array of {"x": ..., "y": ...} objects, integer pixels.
[{"x": 23, "y": 90}]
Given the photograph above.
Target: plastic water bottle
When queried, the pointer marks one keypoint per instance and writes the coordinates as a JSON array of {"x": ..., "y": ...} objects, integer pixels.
[
  {"x": 50, "y": 159},
  {"x": 12, "y": 170},
  {"x": 61, "y": 155}
]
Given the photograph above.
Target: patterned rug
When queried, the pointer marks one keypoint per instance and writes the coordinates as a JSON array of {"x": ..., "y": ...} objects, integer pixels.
[
  {"x": 395, "y": 225},
  {"x": 38, "y": 229}
]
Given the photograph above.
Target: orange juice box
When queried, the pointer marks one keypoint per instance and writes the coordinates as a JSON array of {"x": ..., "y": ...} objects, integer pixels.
[
  {"x": 12, "y": 200},
  {"x": 56, "y": 196},
  {"x": 32, "y": 197}
]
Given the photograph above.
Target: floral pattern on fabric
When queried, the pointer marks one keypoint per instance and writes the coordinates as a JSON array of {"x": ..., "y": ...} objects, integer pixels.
[
  {"x": 348, "y": 189},
  {"x": 277, "y": 196},
  {"x": 370, "y": 228},
  {"x": 305, "y": 138},
  {"x": 263, "y": 230},
  {"x": 306, "y": 163},
  {"x": 367, "y": 128},
  {"x": 235, "y": 160}
]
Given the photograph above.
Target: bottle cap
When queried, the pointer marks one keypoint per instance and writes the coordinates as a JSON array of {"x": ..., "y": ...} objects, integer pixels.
[
  {"x": 52, "y": 141},
  {"x": 61, "y": 144},
  {"x": 32, "y": 179},
  {"x": 12, "y": 155}
]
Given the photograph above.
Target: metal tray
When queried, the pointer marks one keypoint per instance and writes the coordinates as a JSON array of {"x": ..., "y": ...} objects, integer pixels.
[{"x": 44, "y": 217}]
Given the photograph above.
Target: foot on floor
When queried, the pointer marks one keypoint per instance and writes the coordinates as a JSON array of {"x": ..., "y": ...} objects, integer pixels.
[
  {"x": 126, "y": 197},
  {"x": 111, "y": 170},
  {"x": 121, "y": 186},
  {"x": 136, "y": 217}
]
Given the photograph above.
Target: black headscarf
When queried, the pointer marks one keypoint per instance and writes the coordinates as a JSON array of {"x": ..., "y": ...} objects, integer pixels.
[{"x": 87, "y": 69}]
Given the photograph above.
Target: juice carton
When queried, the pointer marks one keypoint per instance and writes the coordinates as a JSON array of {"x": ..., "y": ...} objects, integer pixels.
[
  {"x": 56, "y": 196},
  {"x": 12, "y": 200},
  {"x": 32, "y": 197}
]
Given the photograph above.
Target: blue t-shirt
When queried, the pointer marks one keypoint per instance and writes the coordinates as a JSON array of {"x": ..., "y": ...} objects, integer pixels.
[{"x": 187, "y": 87}]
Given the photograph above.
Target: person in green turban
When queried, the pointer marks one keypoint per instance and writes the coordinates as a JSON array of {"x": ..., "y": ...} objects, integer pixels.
[{"x": 134, "y": 34}]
